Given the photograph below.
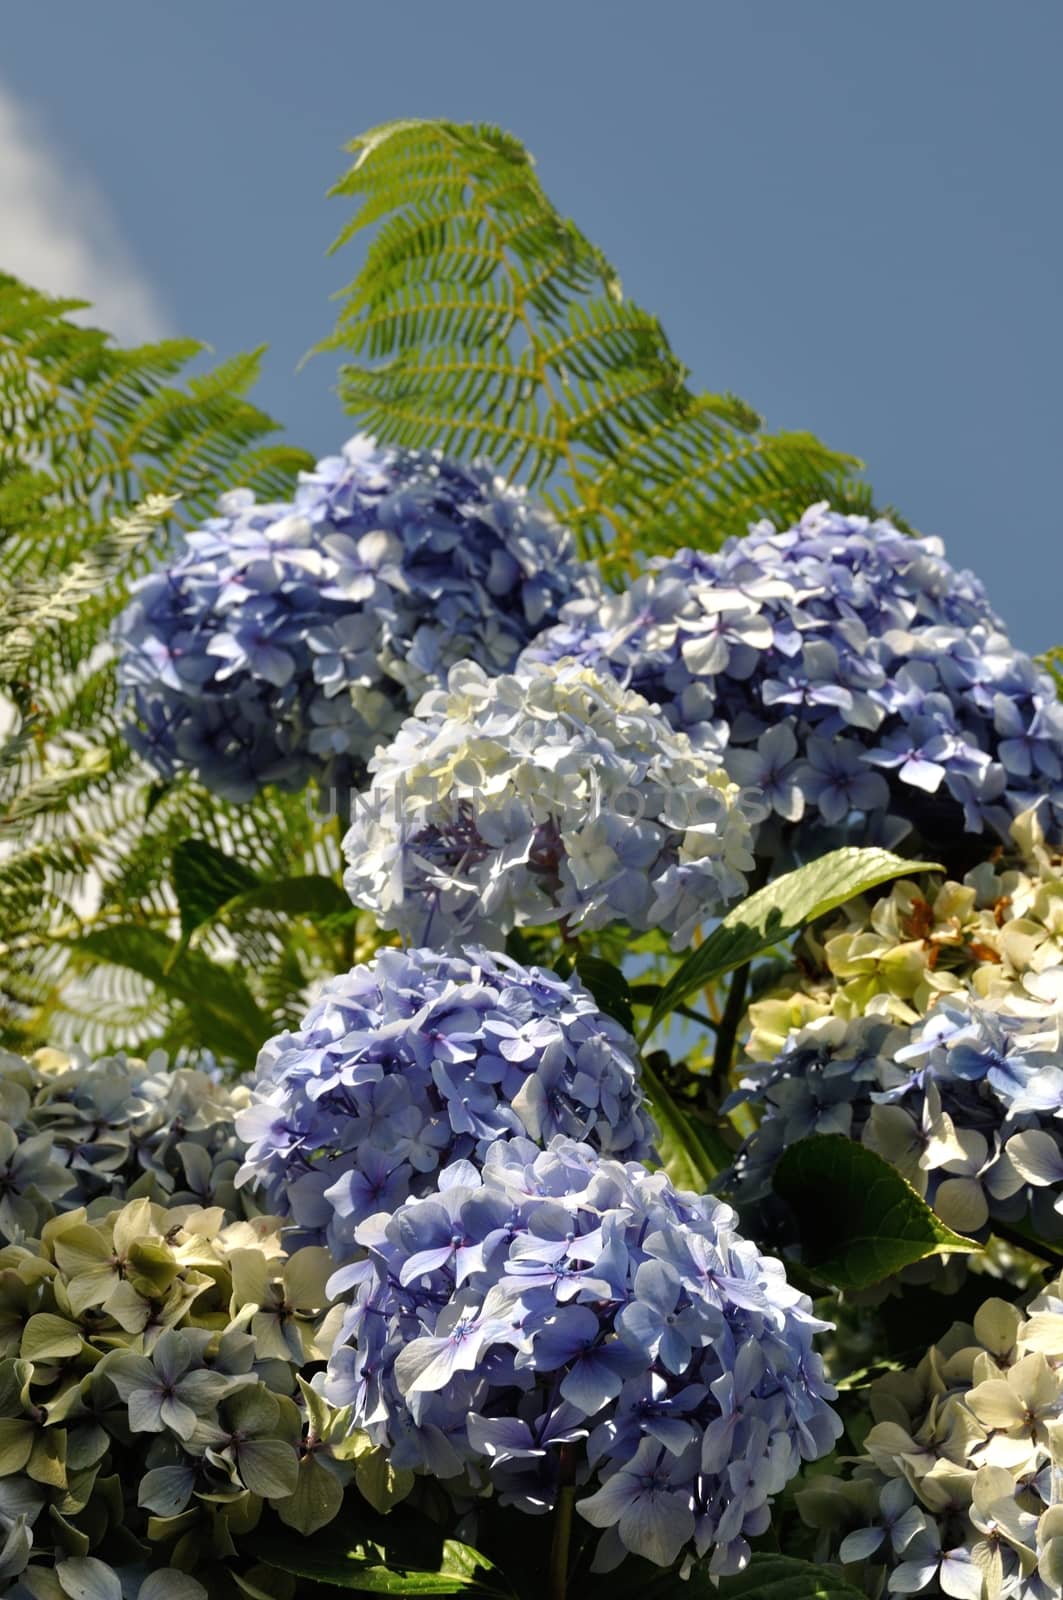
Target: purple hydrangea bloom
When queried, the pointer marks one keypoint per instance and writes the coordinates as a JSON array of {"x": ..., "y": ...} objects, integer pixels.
[
  {"x": 561, "y": 1305},
  {"x": 285, "y": 641},
  {"x": 845, "y": 668},
  {"x": 967, "y": 1104},
  {"x": 418, "y": 1059}
]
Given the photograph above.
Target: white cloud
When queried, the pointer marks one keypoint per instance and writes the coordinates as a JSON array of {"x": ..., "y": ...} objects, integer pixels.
[{"x": 60, "y": 234}]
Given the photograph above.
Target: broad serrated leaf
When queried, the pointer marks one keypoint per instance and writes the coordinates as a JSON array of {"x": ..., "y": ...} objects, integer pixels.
[
  {"x": 312, "y": 895},
  {"x": 772, "y": 1577},
  {"x": 859, "y": 1221},
  {"x": 609, "y": 987},
  {"x": 776, "y": 912},
  {"x": 205, "y": 879},
  {"x": 767, "y": 1577},
  {"x": 216, "y": 998},
  {"x": 348, "y": 1564},
  {"x": 683, "y": 1154}
]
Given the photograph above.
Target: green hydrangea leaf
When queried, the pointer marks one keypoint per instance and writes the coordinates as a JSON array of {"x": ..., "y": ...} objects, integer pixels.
[
  {"x": 766, "y": 1577},
  {"x": 346, "y": 1563},
  {"x": 265, "y": 1583},
  {"x": 682, "y": 1153},
  {"x": 859, "y": 1220},
  {"x": 772, "y": 1577},
  {"x": 609, "y": 987},
  {"x": 777, "y": 911}
]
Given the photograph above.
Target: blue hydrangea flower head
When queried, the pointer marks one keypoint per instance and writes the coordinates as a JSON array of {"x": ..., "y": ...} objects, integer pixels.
[
  {"x": 845, "y": 669},
  {"x": 560, "y": 1300},
  {"x": 418, "y": 1059},
  {"x": 965, "y": 1103},
  {"x": 284, "y": 641},
  {"x": 546, "y": 794}
]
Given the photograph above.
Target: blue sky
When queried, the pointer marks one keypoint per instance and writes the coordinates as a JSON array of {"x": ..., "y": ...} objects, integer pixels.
[{"x": 846, "y": 213}]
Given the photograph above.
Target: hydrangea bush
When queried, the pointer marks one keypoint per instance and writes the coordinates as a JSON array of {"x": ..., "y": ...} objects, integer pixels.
[
  {"x": 630, "y": 1119},
  {"x": 554, "y": 1315},
  {"x": 418, "y": 1059},
  {"x": 282, "y": 642},
  {"x": 844, "y": 669},
  {"x": 545, "y": 795}
]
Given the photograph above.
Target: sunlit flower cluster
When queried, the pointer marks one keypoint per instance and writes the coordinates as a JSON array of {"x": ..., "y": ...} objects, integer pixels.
[
  {"x": 958, "y": 1492},
  {"x": 550, "y": 794},
  {"x": 844, "y": 669},
  {"x": 968, "y": 1104},
  {"x": 418, "y": 1059},
  {"x": 927, "y": 1025},
  {"x": 559, "y": 1313},
  {"x": 284, "y": 641}
]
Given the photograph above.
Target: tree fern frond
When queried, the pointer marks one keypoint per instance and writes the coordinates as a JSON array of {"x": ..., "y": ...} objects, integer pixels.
[
  {"x": 30, "y": 610},
  {"x": 483, "y": 321},
  {"x": 102, "y": 452},
  {"x": 1052, "y": 661}
]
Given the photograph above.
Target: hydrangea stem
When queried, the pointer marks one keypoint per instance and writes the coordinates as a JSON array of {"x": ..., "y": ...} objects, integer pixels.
[
  {"x": 343, "y": 822},
  {"x": 566, "y": 1496},
  {"x": 1028, "y": 1244},
  {"x": 727, "y": 1032}
]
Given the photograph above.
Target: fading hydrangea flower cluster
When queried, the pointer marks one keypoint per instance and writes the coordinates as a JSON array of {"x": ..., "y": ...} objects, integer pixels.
[
  {"x": 152, "y": 1339},
  {"x": 968, "y": 1104},
  {"x": 896, "y": 956},
  {"x": 81, "y": 1132},
  {"x": 418, "y": 1059},
  {"x": 284, "y": 641},
  {"x": 150, "y": 1371},
  {"x": 927, "y": 1024},
  {"x": 846, "y": 668},
  {"x": 555, "y": 1307},
  {"x": 547, "y": 794},
  {"x": 960, "y": 1491}
]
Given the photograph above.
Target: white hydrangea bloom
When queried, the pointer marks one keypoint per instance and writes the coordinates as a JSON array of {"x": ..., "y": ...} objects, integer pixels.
[{"x": 546, "y": 794}]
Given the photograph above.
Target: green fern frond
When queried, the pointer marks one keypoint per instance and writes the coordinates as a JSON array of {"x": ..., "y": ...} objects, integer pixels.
[
  {"x": 1052, "y": 661},
  {"x": 102, "y": 452},
  {"x": 31, "y": 610},
  {"x": 484, "y": 322}
]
